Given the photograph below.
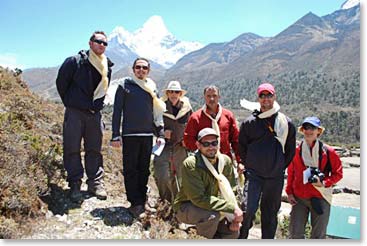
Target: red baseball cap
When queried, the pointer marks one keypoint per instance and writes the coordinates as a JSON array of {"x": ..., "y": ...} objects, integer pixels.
[{"x": 266, "y": 87}]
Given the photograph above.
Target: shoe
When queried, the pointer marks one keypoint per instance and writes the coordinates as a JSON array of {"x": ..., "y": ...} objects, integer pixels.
[
  {"x": 149, "y": 209},
  {"x": 98, "y": 191},
  {"x": 75, "y": 193},
  {"x": 137, "y": 211}
]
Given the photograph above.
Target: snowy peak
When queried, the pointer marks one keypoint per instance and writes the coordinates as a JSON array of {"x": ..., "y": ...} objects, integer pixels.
[
  {"x": 349, "y": 4},
  {"x": 153, "y": 41},
  {"x": 155, "y": 23}
]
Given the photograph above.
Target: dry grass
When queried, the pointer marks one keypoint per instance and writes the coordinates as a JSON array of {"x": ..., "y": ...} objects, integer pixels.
[{"x": 30, "y": 151}]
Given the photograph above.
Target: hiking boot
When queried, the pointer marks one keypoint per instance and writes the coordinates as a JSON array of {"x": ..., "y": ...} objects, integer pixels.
[
  {"x": 98, "y": 191},
  {"x": 75, "y": 193},
  {"x": 137, "y": 211}
]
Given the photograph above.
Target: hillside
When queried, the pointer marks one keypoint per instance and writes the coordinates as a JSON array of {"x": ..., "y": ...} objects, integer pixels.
[{"x": 30, "y": 152}]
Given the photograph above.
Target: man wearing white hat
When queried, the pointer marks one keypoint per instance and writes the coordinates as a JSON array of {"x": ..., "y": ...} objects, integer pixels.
[{"x": 167, "y": 166}]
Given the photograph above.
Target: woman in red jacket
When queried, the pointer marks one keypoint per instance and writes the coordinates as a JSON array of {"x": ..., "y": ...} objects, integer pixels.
[{"x": 315, "y": 168}]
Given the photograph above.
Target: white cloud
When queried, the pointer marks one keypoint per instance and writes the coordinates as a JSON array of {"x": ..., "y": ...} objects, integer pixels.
[{"x": 9, "y": 60}]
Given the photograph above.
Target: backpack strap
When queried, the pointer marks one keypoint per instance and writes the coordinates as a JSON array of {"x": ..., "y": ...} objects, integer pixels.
[{"x": 323, "y": 148}]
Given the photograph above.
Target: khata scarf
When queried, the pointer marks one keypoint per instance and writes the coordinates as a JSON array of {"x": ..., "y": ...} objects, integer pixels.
[
  {"x": 186, "y": 107},
  {"x": 215, "y": 125},
  {"x": 223, "y": 183},
  {"x": 312, "y": 160},
  {"x": 281, "y": 122},
  {"x": 159, "y": 106},
  {"x": 100, "y": 63}
]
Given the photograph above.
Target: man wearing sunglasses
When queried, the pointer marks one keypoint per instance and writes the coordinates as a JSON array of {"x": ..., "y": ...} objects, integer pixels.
[
  {"x": 267, "y": 145},
  {"x": 206, "y": 198},
  {"x": 136, "y": 100},
  {"x": 82, "y": 83}
]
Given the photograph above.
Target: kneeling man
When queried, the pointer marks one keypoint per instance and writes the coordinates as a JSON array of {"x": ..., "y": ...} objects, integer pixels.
[{"x": 206, "y": 198}]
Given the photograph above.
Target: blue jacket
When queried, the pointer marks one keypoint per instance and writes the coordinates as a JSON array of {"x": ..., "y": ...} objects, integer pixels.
[
  {"x": 76, "y": 81},
  {"x": 136, "y": 107}
]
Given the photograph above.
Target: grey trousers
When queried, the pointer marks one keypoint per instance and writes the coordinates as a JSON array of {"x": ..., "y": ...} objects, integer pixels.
[
  {"x": 167, "y": 171},
  {"x": 299, "y": 217},
  {"x": 207, "y": 222},
  {"x": 78, "y": 125}
]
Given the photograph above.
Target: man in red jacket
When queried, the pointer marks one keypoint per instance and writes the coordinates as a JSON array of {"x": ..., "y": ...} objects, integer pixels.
[
  {"x": 213, "y": 115},
  {"x": 309, "y": 189}
]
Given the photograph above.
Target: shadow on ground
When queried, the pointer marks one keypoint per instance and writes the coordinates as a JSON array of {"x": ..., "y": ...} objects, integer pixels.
[
  {"x": 58, "y": 200},
  {"x": 113, "y": 216}
]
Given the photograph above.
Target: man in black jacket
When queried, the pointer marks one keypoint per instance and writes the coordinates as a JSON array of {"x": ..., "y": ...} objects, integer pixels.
[
  {"x": 82, "y": 83},
  {"x": 142, "y": 117},
  {"x": 267, "y": 142}
]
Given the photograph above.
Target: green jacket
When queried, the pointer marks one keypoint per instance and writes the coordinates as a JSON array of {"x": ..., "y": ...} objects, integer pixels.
[{"x": 200, "y": 187}]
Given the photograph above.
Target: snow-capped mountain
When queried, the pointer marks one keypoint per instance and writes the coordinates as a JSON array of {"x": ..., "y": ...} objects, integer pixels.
[
  {"x": 152, "y": 41},
  {"x": 349, "y": 4}
]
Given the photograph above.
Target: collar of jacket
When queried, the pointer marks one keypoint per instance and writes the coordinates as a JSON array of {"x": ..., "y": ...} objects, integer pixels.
[
  {"x": 84, "y": 58},
  {"x": 200, "y": 162}
]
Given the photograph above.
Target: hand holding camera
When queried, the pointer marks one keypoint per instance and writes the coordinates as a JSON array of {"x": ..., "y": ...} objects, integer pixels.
[{"x": 316, "y": 177}]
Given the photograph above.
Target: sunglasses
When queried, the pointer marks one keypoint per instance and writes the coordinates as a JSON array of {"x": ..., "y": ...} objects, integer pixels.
[
  {"x": 309, "y": 127},
  {"x": 176, "y": 92},
  {"x": 138, "y": 67},
  {"x": 207, "y": 144},
  {"x": 262, "y": 96},
  {"x": 98, "y": 41}
]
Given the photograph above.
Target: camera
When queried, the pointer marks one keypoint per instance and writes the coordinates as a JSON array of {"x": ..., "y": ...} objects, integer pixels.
[{"x": 315, "y": 172}]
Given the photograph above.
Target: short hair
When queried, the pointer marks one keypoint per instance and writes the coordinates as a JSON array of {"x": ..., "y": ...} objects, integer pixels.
[
  {"x": 97, "y": 32},
  {"x": 211, "y": 87},
  {"x": 141, "y": 58}
]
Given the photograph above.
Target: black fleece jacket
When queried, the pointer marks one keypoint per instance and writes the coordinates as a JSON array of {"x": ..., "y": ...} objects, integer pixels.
[
  {"x": 260, "y": 151},
  {"x": 136, "y": 107},
  {"x": 76, "y": 81}
]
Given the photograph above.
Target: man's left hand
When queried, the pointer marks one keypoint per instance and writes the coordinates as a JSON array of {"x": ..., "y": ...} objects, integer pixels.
[
  {"x": 235, "y": 226},
  {"x": 160, "y": 141}
]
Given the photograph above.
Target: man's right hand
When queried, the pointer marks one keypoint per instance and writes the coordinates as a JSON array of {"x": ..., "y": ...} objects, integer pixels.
[
  {"x": 116, "y": 143},
  {"x": 292, "y": 200},
  {"x": 240, "y": 168}
]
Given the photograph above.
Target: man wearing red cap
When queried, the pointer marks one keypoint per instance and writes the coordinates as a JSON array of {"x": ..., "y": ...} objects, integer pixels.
[{"x": 267, "y": 142}]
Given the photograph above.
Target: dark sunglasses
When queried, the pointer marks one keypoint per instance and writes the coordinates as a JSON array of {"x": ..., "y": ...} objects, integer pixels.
[
  {"x": 137, "y": 67},
  {"x": 309, "y": 127},
  {"x": 262, "y": 96},
  {"x": 176, "y": 92},
  {"x": 207, "y": 144},
  {"x": 98, "y": 41}
]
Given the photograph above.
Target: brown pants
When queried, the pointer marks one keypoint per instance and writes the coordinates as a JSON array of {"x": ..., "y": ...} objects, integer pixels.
[
  {"x": 207, "y": 222},
  {"x": 299, "y": 217},
  {"x": 167, "y": 171}
]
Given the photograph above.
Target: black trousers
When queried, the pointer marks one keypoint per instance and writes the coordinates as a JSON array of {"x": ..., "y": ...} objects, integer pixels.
[
  {"x": 78, "y": 125},
  {"x": 136, "y": 152},
  {"x": 269, "y": 190}
]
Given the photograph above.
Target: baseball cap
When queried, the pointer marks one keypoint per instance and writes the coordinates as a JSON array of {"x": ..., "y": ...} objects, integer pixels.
[
  {"x": 266, "y": 87},
  {"x": 313, "y": 120},
  {"x": 206, "y": 132}
]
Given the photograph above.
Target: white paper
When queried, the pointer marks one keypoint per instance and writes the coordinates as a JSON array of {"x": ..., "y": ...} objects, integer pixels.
[
  {"x": 157, "y": 149},
  {"x": 306, "y": 175}
]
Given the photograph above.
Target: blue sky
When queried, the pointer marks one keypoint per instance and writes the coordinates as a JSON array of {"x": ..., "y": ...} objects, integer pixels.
[{"x": 40, "y": 33}]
